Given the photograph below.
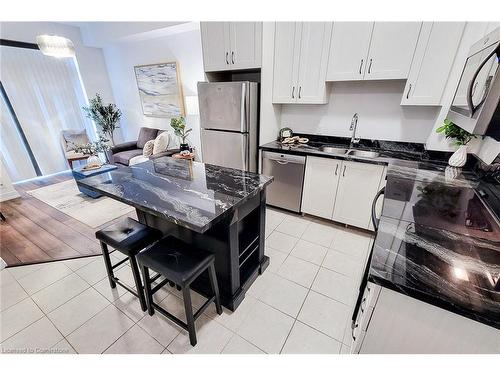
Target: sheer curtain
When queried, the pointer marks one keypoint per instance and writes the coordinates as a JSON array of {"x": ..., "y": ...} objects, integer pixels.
[{"x": 46, "y": 95}]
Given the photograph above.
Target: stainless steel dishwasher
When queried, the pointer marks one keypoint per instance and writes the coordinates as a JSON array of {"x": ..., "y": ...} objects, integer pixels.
[{"x": 288, "y": 171}]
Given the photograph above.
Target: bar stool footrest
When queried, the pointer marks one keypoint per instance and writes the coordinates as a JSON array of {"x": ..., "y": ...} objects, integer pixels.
[
  {"x": 126, "y": 287},
  {"x": 177, "y": 320},
  {"x": 119, "y": 263},
  {"x": 159, "y": 286}
]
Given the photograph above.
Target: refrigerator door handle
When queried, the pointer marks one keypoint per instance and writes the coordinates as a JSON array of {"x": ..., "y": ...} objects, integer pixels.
[
  {"x": 244, "y": 109},
  {"x": 244, "y": 154}
]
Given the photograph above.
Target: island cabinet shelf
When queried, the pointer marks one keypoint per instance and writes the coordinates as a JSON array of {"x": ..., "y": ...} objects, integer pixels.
[
  {"x": 237, "y": 242},
  {"x": 215, "y": 209}
]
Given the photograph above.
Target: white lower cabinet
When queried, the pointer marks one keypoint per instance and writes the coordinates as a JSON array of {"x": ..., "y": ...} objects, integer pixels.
[
  {"x": 341, "y": 190},
  {"x": 357, "y": 187},
  {"x": 320, "y": 186},
  {"x": 399, "y": 324}
]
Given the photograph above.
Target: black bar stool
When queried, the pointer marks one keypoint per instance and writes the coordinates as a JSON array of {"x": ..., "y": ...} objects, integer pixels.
[
  {"x": 128, "y": 237},
  {"x": 179, "y": 263}
]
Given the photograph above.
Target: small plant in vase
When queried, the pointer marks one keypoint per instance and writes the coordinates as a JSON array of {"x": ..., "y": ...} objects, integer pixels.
[
  {"x": 179, "y": 126},
  {"x": 92, "y": 149},
  {"x": 461, "y": 137},
  {"x": 105, "y": 116}
]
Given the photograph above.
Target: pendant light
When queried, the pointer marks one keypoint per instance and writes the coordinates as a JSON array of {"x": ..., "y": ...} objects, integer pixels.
[{"x": 56, "y": 46}]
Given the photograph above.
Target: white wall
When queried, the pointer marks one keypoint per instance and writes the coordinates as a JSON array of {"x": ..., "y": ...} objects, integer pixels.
[
  {"x": 121, "y": 57},
  {"x": 380, "y": 115}
]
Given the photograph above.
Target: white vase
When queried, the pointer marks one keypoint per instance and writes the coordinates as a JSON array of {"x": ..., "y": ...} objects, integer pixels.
[
  {"x": 94, "y": 161},
  {"x": 459, "y": 157}
]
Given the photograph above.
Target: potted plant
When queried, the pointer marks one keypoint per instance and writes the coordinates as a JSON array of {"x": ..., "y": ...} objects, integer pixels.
[
  {"x": 179, "y": 126},
  {"x": 461, "y": 137},
  {"x": 105, "y": 116},
  {"x": 92, "y": 149}
]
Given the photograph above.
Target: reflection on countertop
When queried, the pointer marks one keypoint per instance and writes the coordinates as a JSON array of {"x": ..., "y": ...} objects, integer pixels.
[
  {"x": 191, "y": 194},
  {"x": 439, "y": 243}
]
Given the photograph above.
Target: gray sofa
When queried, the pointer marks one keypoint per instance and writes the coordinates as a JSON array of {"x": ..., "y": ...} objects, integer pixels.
[{"x": 122, "y": 153}]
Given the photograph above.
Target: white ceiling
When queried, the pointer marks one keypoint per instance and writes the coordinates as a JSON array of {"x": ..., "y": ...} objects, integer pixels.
[{"x": 100, "y": 34}]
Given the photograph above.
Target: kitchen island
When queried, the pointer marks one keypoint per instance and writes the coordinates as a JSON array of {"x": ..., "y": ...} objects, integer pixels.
[{"x": 221, "y": 210}]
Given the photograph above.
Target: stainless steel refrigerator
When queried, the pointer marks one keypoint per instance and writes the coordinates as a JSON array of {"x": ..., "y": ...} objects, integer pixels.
[{"x": 228, "y": 121}]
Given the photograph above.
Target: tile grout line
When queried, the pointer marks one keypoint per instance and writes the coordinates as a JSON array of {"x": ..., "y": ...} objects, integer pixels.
[
  {"x": 69, "y": 333},
  {"x": 308, "y": 292},
  {"x": 295, "y": 319}
]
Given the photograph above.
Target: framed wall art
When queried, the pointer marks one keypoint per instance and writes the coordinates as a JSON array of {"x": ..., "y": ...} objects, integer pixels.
[{"x": 160, "y": 89}]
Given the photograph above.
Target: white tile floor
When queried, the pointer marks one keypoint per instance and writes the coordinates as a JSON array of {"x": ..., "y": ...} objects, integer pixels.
[{"x": 301, "y": 304}]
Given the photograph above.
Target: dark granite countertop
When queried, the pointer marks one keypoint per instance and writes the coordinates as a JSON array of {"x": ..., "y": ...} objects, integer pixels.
[
  {"x": 437, "y": 241},
  {"x": 191, "y": 194}
]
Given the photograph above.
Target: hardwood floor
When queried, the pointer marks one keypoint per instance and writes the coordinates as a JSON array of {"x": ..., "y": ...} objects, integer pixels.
[{"x": 36, "y": 232}]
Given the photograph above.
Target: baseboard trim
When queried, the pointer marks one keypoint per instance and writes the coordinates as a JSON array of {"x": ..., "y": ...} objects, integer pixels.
[{"x": 5, "y": 196}]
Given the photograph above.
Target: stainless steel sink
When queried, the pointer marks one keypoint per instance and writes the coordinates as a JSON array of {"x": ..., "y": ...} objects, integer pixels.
[
  {"x": 334, "y": 150},
  {"x": 364, "y": 154}
]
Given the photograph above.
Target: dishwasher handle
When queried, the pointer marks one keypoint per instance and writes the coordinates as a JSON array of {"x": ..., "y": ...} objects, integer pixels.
[{"x": 284, "y": 158}]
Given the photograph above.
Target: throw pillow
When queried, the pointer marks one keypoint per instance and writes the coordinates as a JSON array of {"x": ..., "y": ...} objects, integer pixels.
[
  {"x": 161, "y": 143},
  {"x": 148, "y": 148},
  {"x": 146, "y": 134}
]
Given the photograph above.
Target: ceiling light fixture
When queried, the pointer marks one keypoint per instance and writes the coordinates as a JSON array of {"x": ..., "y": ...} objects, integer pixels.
[{"x": 56, "y": 46}]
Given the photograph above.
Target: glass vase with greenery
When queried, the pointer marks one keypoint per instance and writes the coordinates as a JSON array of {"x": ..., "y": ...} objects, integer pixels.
[
  {"x": 93, "y": 148},
  {"x": 461, "y": 137},
  {"x": 106, "y": 117},
  {"x": 180, "y": 130}
]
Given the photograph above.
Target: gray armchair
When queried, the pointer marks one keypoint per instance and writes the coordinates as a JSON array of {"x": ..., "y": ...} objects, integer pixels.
[
  {"x": 123, "y": 152},
  {"x": 69, "y": 140}
]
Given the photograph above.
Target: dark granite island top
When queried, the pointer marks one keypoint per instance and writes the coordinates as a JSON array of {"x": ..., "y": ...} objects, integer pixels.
[
  {"x": 191, "y": 194},
  {"x": 213, "y": 208}
]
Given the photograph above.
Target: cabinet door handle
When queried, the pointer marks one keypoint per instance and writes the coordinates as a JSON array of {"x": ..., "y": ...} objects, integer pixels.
[
  {"x": 293, "y": 92},
  {"x": 336, "y": 169},
  {"x": 370, "y": 67},
  {"x": 360, "y": 66},
  {"x": 300, "y": 89},
  {"x": 353, "y": 327},
  {"x": 343, "y": 173},
  {"x": 408, "y": 93},
  {"x": 227, "y": 54},
  {"x": 232, "y": 57}
]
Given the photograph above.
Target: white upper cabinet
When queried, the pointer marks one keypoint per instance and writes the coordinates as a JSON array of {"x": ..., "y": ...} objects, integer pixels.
[
  {"x": 300, "y": 62},
  {"x": 314, "y": 49},
  {"x": 436, "y": 49},
  {"x": 286, "y": 61},
  {"x": 391, "y": 49},
  {"x": 320, "y": 186},
  {"x": 231, "y": 45},
  {"x": 369, "y": 51},
  {"x": 246, "y": 45},
  {"x": 349, "y": 50},
  {"x": 215, "y": 39}
]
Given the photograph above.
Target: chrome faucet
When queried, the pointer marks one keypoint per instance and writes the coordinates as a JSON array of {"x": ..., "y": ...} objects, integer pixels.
[{"x": 354, "y": 125}]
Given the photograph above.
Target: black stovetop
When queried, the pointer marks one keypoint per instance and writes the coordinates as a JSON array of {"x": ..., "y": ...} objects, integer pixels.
[{"x": 489, "y": 191}]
